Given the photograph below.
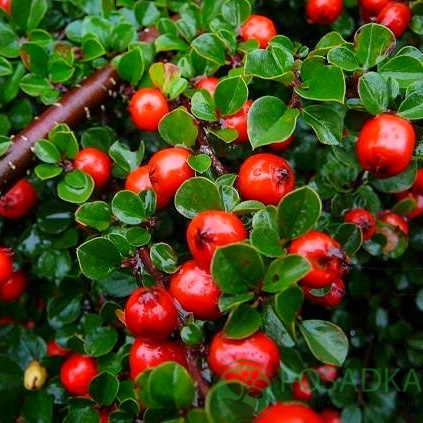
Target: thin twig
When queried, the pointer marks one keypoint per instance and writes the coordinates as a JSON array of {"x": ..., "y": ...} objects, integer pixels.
[{"x": 206, "y": 148}]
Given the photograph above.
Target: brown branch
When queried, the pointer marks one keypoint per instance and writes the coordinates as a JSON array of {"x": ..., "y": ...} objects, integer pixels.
[
  {"x": 193, "y": 355},
  {"x": 206, "y": 148},
  {"x": 74, "y": 106},
  {"x": 160, "y": 278}
]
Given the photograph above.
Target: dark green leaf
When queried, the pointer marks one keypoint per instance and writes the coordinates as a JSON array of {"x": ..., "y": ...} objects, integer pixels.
[
  {"x": 203, "y": 107},
  {"x": 28, "y": 13},
  {"x": 128, "y": 207},
  {"x": 412, "y": 106},
  {"x": 397, "y": 183},
  {"x": 104, "y": 388},
  {"x": 96, "y": 214},
  {"x": 76, "y": 187},
  {"x": 374, "y": 92},
  {"x": 235, "y": 12},
  {"x": 9, "y": 41},
  {"x": 344, "y": 57},
  {"x": 178, "y": 127},
  {"x": 350, "y": 237},
  {"x": 164, "y": 257},
  {"x": 227, "y": 301},
  {"x": 287, "y": 304},
  {"x": 100, "y": 341},
  {"x": 200, "y": 163},
  {"x": 242, "y": 322},
  {"x": 131, "y": 66},
  {"x": 211, "y": 47},
  {"x": 46, "y": 151},
  {"x": 231, "y": 94},
  {"x": 267, "y": 241},
  {"x": 38, "y": 407},
  {"x": 47, "y": 171}
]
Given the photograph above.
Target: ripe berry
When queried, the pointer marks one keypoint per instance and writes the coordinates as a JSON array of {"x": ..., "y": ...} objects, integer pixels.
[
  {"x": 19, "y": 201},
  {"x": 329, "y": 262},
  {"x": 265, "y": 177},
  {"x": 96, "y": 163},
  {"x": 257, "y": 348},
  {"x": 330, "y": 416},
  {"x": 55, "y": 350},
  {"x": 147, "y": 107},
  {"x": 138, "y": 180},
  {"x": 259, "y": 28},
  {"x": 415, "y": 193},
  {"x": 394, "y": 219},
  {"x": 302, "y": 390},
  {"x": 77, "y": 372},
  {"x": 385, "y": 145},
  {"x": 331, "y": 299},
  {"x": 328, "y": 373},
  {"x": 373, "y": 7},
  {"x": 148, "y": 353},
  {"x": 238, "y": 121},
  {"x": 14, "y": 287},
  {"x": 323, "y": 12},
  {"x": 282, "y": 145},
  {"x": 6, "y": 266},
  {"x": 364, "y": 220},
  {"x": 5, "y": 5},
  {"x": 196, "y": 291},
  {"x": 104, "y": 417},
  {"x": 168, "y": 170},
  {"x": 396, "y": 16},
  {"x": 150, "y": 312},
  {"x": 208, "y": 83},
  {"x": 289, "y": 412},
  {"x": 211, "y": 229}
]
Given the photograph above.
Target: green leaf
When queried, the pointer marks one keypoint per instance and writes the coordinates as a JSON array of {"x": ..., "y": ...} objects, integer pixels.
[
  {"x": 327, "y": 42},
  {"x": 285, "y": 272},
  {"x": 192, "y": 334},
  {"x": 54, "y": 264},
  {"x": 373, "y": 43},
  {"x": 200, "y": 162},
  {"x": 326, "y": 341},
  {"x": 242, "y": 322},
  {"x": 237, "y": 268},
  {"x": 267, "y": 241},
  {"x": 231, "y": 94},
  {"x": 350, "y": 237},
  {"x": 228, "y": 301},
  {"x": 34, "y": 85},
  {"x": 76, "y": 187},
  {"x": 28, "y": 13},
  {"x": 118, "y": 284},
  {"x": 46, "y": 151},
  {"x": 203, "y": 107},
  {"x": 344, "y": 57},
  {"x": 47, "y": 171},
  {"x": 169, "y": 42},
  {"x": 164, "y": 257},
  {"x": 138, "y": 236},
  {"x": 98, "y": 258},
  {"x": 412, "y": 106},
  {"x": 104, "y": 388},
  {"x": 38, "y": 407},
  {"x": 128, "y": 207},
  {"x": 178, "y": 127},
  {"x": 314, "y": 87},
  {"x": 374, "y": 92},
  {"x": 96, "y": 214},
  {"x": 287, "y": 304},
  {"x": 272, "y": 63},
  {"x": 351, "y": 414},
  {"x": 235, "y": 12},
  {"x": 131, "y": 66},
  {"x": 9, "y": 41},
  {"x": 210, "y": 47},
  {"x": 404, "y": 69},
  {"x": 124, "y": 158},
  {"x": 59, "y": 70},
  {"x": 298, "y": 212},
  {"x": 269, "y": 121},
  {"x": 92, "y": 48},
  {"x": 146, "y": 13},
  {"x": 196, "y": 195},
  {"x": 66, "y": 142},
  {"x": 99, "y": 137},
  {"x": 100, "y": 341},
  {"x": 398, "y": 183}
]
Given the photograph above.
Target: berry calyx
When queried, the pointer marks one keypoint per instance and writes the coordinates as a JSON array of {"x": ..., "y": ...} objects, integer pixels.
[
  {"x": 385, "y": 145},
  {"x": 196, "y": 291},
  {"x": 211, "y": 229},
  {"x": 257, "y": 348},
  {"x": 259, "y": 28},
  {"x": 289, "y": 412},
  {"x": 77, "y": 372},
  {"x": 302, "y": 390},
  {"x": 323, "y": 12},
  {"x": 208, "y": 83},
  {"x": 148, "y": 353},
  {"x": 6, "y": 266},
  {"x": 55, "y": 350},
  {"x": 265, "y": 177},
  {"x": 396, "y": 16},
  {"x": 147, "y": 107},
  {"x": 364, "y": 220},
  {"x": 329, "y": 262},
  {"x": 14, "y": 288},
  {"x": 96, "y": 163},
  {"x": 330, "y": 416},
  {"x": 150, "y": 312},
  {"x": 19, "y": 201},
  {"x": 238, "y": 121}
]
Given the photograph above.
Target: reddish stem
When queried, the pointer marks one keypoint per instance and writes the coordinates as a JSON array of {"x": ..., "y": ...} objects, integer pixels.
[
  {"x": 160, "y": 278},
  {"x": 206, "y": 148}
]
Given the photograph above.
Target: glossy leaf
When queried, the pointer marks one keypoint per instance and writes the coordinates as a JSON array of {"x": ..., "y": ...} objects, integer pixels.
[
  {"x": 374, "y": 92},
  {"x": 230, "y": 95},
  {"x": 178, "y": 127},
  {"x": 242, "y": 322},
  {"x": 128, "y": 207}
]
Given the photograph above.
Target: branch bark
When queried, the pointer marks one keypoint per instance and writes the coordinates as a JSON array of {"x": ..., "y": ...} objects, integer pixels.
[
  {"x": 75, "y": 105},
  {"x": 206, "y": 148}
]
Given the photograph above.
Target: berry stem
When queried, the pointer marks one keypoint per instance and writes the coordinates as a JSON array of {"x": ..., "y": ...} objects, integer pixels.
[
  {"x": 74, "y": 106},
  {"x": 160, "y": 278},
  {"x": 206, "y": 148}
]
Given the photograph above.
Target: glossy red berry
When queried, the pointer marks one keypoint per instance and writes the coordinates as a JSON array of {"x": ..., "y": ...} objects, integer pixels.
[
  {"x": 415, "y": 193},
  {"x": 6, "y": 266},
  {"x": 394, "y": 219},
  {"x": 302, "y": 390},
  {"x": 148, "y": 353},
  {"x": 364, "y": 220},
  {"x": 328, "y": 373},
  {"x": 196, "y": 291},
  {"x": 259, "y": 28},
  {"x": 385, "y": 145},
  {"x": 373, "y": 7},
  {"x": 282, "y": 145},
  {"x": 257, "y": 348},
  {"x": 238, "y": 121},
  {"x": 396, "y": 16},
  {"x": 330, "y": 416},
  {"x": 208, "y": 83},
  {"x": 55, "y": 350},
  {"x": 150, "y": 312},
  {"x": 5, "y": 5},
  {"x": 147, "y": 107},
  {"x": 139, "y": 180},
  {"x": 168, "y": 170},
  {"x": 19, "y": 201},
  {"x": 96, "y": 163},
  {"x": 7, "y": 320},
  {"x": 289, "y": 412},
  {"x": 323, "y": 12},
  {"x": 329, "y": 262},
  {"x": 211, "y": 229},
  {"x": 104, "y": 417},
  {"x": 331, "y": 299},
  {"x": 265, "y": 177},
  {"x": 77, "y": 372},
  {"x": 13, "y": 289}
]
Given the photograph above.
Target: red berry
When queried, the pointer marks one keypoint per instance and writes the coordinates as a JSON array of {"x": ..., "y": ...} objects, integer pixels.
[
  {"x": 196, "y": 291},
  {"x": 77, "y": 372},
  {"x": 139, "y": 180},
  {"x": 323, "y": 12},
  {"x": 329, "y": 262},
  {"x": 150, "y": 312},
  {"x": 55, "y": 350},
  {"x": 96, "y": 163},
  {"x": 415, "y": 193},
  {"x": 19, "y": 201},
  {"x": 329, "y": 299},
  {"x": 282, "y": 145},
  {"x": 302, "y": 390},
  {"x": 265, "y": 177},
  {"x": 5, "y": 5},
  {"x": 238, "y": 121},
  {"x": 6, "y": 266},
  {"x": 147, "y": 107},
  {"x": 7, "y": 320},
  {"x": 104, "y": 417},
  {"x": 14, "y": 287},
  {"x": 385, "y": 145},
  {"x": 259, "y": 28},
  {"x": 257, "y": 348},
  {"x": 147, "y": 353},
  {"x": 395, "y": 16},
  {"x": 330, "y": 416},
  {"x": 168, "y": 170},
  {"x": 364, "y": 220},
  {"x": 394, "y": 219},
  {"x": 211, "y": 229},
  {"x": 208, "y": 83},
  {"x": 289, "y": 412},
  {"x": 328, "y": 373},
  {"x": 373, "y": 7}
]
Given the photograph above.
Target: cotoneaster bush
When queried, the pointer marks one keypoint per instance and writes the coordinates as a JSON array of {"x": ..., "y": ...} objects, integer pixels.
[{"x": 210, "y": 211}]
